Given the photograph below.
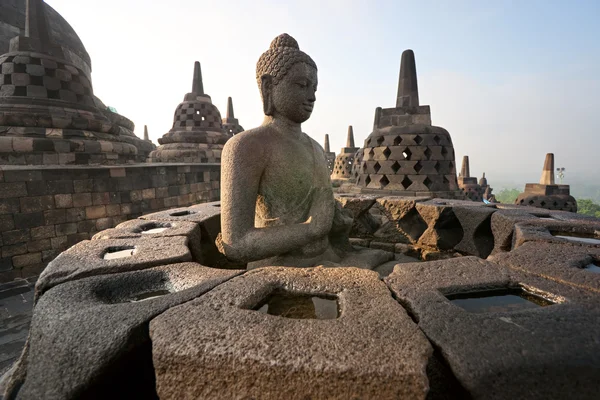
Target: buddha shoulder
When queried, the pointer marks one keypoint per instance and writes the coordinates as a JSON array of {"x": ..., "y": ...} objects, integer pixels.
[{"x": 251, "y": 142}]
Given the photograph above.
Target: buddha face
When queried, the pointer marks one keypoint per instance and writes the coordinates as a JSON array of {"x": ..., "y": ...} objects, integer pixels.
[{"x": 294, "y": 96}]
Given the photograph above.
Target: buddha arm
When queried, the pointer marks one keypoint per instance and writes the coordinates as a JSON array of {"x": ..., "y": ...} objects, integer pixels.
[{"x": 243, "y": 161}]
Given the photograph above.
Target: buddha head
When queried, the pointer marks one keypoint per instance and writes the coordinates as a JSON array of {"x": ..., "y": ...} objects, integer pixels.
[{"x": 287, "y": 80}]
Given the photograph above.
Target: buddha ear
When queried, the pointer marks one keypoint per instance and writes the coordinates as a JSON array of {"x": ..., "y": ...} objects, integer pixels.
[{"x": 266, "y": 88}]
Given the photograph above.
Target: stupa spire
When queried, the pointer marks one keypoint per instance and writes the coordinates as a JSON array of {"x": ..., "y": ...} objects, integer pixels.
[
  {"x": 197, "y": 86},
  {"x": 229, "y": 109},
  {"x": 548, "y": 171},
  {"x": 408, "y": 91},
  {"x": 350, "y": 140},
  {"x": 465, "y": 171},
  {"x": 146, "y": 136},
  {"x": 326, "y": 147},
  {"x": 36, "y": 24}
]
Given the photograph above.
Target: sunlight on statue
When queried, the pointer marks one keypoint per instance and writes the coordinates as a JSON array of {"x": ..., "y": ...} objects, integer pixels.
[{"x": 276, "y": 196}]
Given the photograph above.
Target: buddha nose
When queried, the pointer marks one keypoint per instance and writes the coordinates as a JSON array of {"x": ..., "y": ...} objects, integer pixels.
[{"x": 311, "y": 96}]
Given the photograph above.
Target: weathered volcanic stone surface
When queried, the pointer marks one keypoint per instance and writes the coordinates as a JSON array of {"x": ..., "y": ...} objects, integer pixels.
[
  {"x": 565, "y": 263},
  {"x": 542, "y": 353},
  {"x": 549, "y": 231},
  {"x": 86, "y": 259},
  {"x": 402, "y": 223},
  {"x": 217, "y": 347},
  {"x": 478, "y": 239},
  {"x": 140, "y": 228},
  {"x": 88, "y": 339},
  {"x": 503, "y": 226},
  {"x": 444, "y": 230},
  {"x": 198, "y": 213}
]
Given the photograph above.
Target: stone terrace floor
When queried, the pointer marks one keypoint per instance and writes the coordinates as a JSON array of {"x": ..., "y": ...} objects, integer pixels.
[{"x": 16, "y": 307}]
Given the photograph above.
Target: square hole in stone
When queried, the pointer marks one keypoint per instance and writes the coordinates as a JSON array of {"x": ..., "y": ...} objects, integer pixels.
[
  {"x": 287, "y": 304},
  {"x": 113, "y": 253},
  {"x": 154, "y": 227},
  {"x": 577, "y": 237},
  {"x": 181, "y": 213},
  {"x": 498, "y": 300},
  {"x": 593, "y": 267}
]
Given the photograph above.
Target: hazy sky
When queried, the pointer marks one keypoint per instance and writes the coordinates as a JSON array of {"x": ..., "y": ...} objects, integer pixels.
[{"x": 510, "y": 80}]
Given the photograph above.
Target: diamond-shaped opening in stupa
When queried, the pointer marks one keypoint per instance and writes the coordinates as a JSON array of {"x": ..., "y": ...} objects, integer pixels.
[
  {"x": 418, "y": 139},
  {"x": 380, "y": 140},
  {"x": 396, "y": 167},
  {"x": 444, "y": 151},
  {"x": 397, "y": 140},
  {"x": 367, "y": 180},
  {"x": 377, "y": 167},
  {"x": 407, "y": 154},
  {"x": 437, "y": 167},
  {"x": 418, "y": 166},
  {"x": 428, "y": 153},
  {"x": 406, "y": 182},
  {"x": 384, "y": 181},
  {"x": 387, "y": 152},
  {"x": 427, "y": 182},
  {"x": 445, "y": 180},
  {"x": 437, "y": 139}
]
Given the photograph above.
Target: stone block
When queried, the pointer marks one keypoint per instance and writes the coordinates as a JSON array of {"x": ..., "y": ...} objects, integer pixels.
[
  {"x": 82, "y": 199},
  {"x": 100, "y": 198},
  {"x": 504, "y": 351},
  {"x": 104, "y": 223},
  {"x": 444, "y": 231},
  {"x": 87, "y": 258},
  {"x": 95, "y": 212},
  {"x": 579, "y": 232},
  {"x": 222, "y": 335},
  {"x": 100, "y": 346},
  {"x": 64, "y": 186},
  {"x": 113, "y": 210},
  {"x": 12, "y": 189},
  {"x": 503, "y": 223},
  {"x": 566, "y": 263},
  {"x": 36, "y": 203},
  {"x": 39, "y": 245},
  {"x": 69, "y": 228},
  {"x": 9, "y": 206},
  {"x": 63, "y": 200},
  {"x": 14, "y": 250},
  {"x": 42, "y": 232},
  {"x": 76, "y": 214},
  {"x": 59, "y": 243},
  {"x": 16, "y": 236},
  {"x": 83, "y": 185},
  {"x": 53, "y": 217},
  {"x": 29, "y": 220},
  {"x": 142, "y": 228},
  {"x": 6, "y": 223},
  {"x": 86, "y": 226},
  {"x": 476, "y": 223},
  {"x": 27, "y": 259},
  {"x": 117, "y": 172}
]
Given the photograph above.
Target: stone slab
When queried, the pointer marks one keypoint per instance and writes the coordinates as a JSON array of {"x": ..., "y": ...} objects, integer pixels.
[
  {"x": 86, "y": 259},
  {"x": 478, "y": 239},
  {"x": 218, "y": 347},
  {"x": 88, "y": 339},
  {"x": 564, "y": 263},
  {"x": 139, "y": 228},
  {"x": 541, "y": 353},
  {"x": 540, "y": 230}
]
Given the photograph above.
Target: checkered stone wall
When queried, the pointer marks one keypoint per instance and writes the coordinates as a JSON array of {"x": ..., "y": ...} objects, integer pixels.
[
  {"x": 39, "y": 76},
  {"x": 197, "y": 115}
]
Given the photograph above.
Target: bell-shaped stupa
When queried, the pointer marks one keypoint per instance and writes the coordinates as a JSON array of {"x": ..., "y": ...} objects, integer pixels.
[
  {"x": 342, "y": 168},
  {"x": 231, "y": 125},
  {"x": 48, "y": 112},
  {"x": 405, "y": 155},
  {"x": 197, "y": 135},
  {"x": 329, "y": 155}
]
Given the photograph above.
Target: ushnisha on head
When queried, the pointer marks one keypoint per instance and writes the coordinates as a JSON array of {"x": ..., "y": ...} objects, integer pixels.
[{"x": 287, "y": 80}]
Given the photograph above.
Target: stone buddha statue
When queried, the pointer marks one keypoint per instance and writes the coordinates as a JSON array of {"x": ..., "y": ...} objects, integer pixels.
[{"x": 277, "y": 202}]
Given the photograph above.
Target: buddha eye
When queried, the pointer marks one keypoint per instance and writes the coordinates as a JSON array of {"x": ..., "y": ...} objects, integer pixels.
[{"x": 302, "y": 84}]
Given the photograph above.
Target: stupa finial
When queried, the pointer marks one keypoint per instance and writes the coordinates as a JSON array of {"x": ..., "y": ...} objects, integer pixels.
[
  {"x": 408, "y": 91},
  {"x": 229, "y": 109},
  {"x": 326, "y": 147},
  {"x": 548, "y": 171},
  {"x": 197, "y": 87},
  {"x": 350, "y": 140},
  {"x": 465, "y": 171},
  {"x": 146, "y": 136}
]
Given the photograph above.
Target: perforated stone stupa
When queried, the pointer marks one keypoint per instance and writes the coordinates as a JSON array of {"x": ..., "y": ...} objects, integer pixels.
[
  {"x": 231, "y": 125},
  {"x": 405, "y": 155},
  {"x": 342, "y": 168},
  {"x": 467, "y": 183},
  {"x": 547, "y": 194},
  {"x": 197, "y": 134},
  {"x": 48, "y": 112},
  {"x": 329, "y": 155}
]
